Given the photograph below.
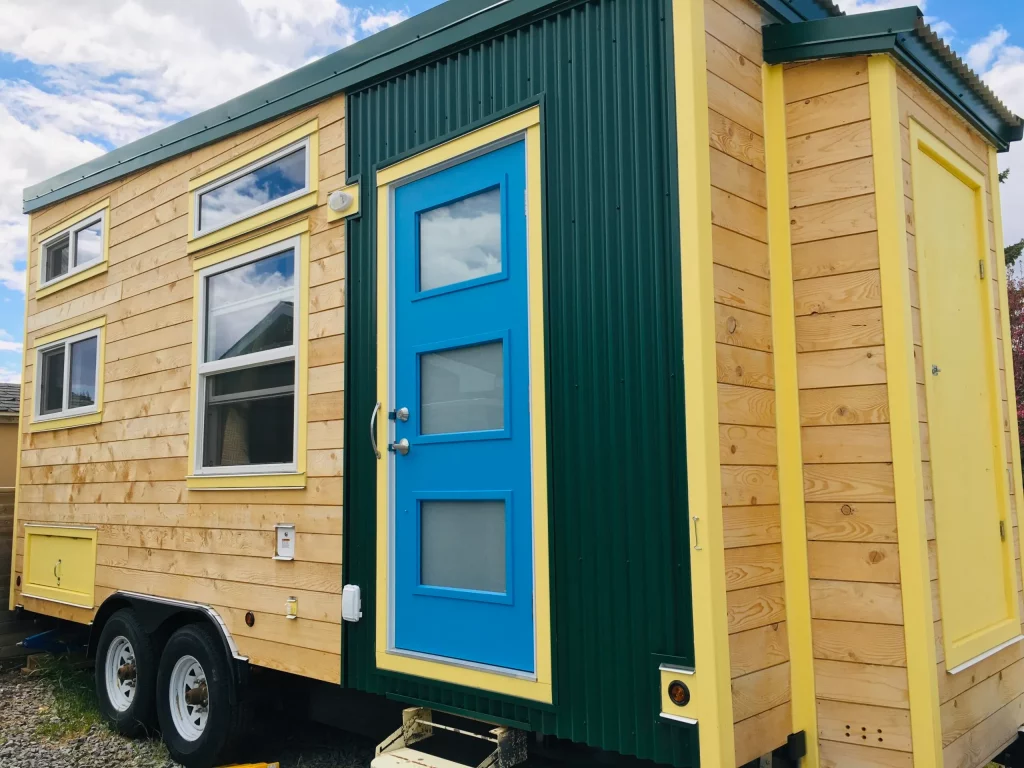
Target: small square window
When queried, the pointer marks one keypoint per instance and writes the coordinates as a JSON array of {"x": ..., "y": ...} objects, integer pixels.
[
  {"x": 78, "y": 247},
  {"x": 265, "y": 184},
  {"x": 68, "y": 376}
]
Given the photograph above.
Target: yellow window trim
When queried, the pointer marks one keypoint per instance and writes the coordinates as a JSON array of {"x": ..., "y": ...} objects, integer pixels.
[
  {"x": 21, "y": 417},
  {"x": 283, "y": 480},
  {"x": 48, "y": 425},
  {"x": 264, "y": 218},
  {"x": 540, "y": 688},
  {"x": 925, "y": 144},
  {"x": 707, "y": 566},
  {"x": 254, "y": 244},
  {"x": 787, "y": 415},
  {"x": 76, "y": 277},
  {"x": 74, "y": 330},
  {"x": 71, "y": 421},
  {"x": 87, "y": 581},
  {"x": 277, "y": 480},
  {"x": 904, "y": 429}
]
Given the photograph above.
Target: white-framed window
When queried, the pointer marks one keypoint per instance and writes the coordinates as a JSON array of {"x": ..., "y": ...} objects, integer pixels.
[
  {"x": 68, "y": 376},
  {"x": 247, "y": 363},
  {"x": 263, "y": 184},
  {"x": 72, "y": 250}
]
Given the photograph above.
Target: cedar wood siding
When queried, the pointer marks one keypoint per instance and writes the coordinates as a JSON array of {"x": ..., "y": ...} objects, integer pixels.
[
  {"x": 861, "y": 681},
  {"x": 759, "y": 648},
  {"x": 126, "y": 475},
  {"x": 982, "y": 706}
]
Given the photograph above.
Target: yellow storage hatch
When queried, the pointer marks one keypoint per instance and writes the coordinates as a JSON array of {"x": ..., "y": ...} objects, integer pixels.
[{"x": 60, "y": 564}]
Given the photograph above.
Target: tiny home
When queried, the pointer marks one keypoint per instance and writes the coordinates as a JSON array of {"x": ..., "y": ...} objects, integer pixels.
[{"x": 632, "y": 373}]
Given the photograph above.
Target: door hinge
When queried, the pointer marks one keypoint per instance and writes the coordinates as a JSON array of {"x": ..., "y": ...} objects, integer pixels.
[
  {"x": 1002, "y": 530},
  {"x": 981, "y": 269}
]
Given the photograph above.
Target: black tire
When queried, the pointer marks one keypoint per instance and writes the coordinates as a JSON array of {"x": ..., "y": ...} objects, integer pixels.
[
  {"x": 224, "y": 716},
  {"x": 139, "y": 717}
]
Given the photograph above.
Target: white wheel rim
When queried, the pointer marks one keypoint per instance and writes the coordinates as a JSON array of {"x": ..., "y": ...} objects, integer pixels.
[
  {"x": 120, "y": 686},
  {"x": 189, "y": 717}
]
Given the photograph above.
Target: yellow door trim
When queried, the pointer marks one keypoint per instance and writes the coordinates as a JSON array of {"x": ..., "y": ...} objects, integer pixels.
[
  {"x": 923, "y": 144},
  {"x": 539, "y": 688},
  {"x": 1004, "y": 317},
  {"x": 707, "y": 565},
  {"x": 787, "y": 416},
  {"x": 915, "y": 579}
]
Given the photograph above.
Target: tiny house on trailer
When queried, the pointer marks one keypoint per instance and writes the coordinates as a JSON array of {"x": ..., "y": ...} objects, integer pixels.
[{"x": 633, "y": 373}]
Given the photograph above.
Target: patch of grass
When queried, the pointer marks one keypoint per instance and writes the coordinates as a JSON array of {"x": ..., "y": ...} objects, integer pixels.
[{"x": 74, "y": 710}]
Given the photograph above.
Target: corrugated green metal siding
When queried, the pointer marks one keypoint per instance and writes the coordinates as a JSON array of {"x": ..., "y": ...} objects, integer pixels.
[{"x": 617, "y": 490}]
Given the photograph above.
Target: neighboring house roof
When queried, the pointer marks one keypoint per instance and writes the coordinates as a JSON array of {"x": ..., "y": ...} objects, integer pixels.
[
  {"x": 10, "y": 398},
  {"x": 276, "y": 320},
  {"x": 902, "y": 33},
  {"x": 425, "y": 35}
]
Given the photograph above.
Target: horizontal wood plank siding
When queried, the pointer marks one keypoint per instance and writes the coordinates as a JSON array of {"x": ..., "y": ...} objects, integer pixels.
[
  {"x": 126, "y": 475},
  {"x": 759, "y": 648},
  {"x": 861, "y": 681}
]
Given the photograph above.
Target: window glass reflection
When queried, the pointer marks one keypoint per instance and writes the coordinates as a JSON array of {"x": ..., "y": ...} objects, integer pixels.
[
  {"x": 251, "y": 308},
  {"x": 231, "y": 201},
  {"x": 462, "y": 545},
  {"x": 83, "y": 373},
  {"x": 462, "y": 390},
  {"x": 461, "y": 241},
  {"x": 89, "y": 243}
]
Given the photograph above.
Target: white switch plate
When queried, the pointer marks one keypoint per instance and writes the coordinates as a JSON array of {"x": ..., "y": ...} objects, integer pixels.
[{"x": 285, "y": 549}]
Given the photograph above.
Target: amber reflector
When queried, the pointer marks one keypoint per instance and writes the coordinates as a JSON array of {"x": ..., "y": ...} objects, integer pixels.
[
  {"x": 250, "y": 618},
  {"x": 679, "y": 693}
]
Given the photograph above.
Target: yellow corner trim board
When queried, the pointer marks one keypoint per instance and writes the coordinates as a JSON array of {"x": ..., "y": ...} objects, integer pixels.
[
  {"x": 707, "y": 566},
  {"x": 905, "y": 434}
]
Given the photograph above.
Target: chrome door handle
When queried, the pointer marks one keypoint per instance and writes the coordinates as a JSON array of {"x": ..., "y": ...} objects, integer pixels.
[
  {"x": 373, "y": 429},
  {"x": 696, "y": 537},
  {"x": 402, "y": 446}
]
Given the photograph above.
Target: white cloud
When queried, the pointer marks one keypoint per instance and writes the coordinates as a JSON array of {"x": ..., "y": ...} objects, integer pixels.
[
  {"x": 980, "y": 55},
  {"x": 375, "y": 22},
  {"x": 1001, "y": 66},
  {"x": 866, "y": 6},
  {"x": 9, "y": 375},
  {"x": 106, "y": 72}
]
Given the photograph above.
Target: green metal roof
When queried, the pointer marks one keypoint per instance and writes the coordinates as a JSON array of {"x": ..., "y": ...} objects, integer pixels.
[
  {"x": 815, "y": 24},
  {"x": 903, "y": 34}
]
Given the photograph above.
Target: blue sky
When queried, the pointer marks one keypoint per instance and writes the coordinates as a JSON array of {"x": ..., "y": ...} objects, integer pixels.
[{"x": 78, "y": 79}]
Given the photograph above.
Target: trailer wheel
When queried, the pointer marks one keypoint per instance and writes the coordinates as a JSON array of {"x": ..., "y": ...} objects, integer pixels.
[
  {"x": 126, "y": 674},
  {"x": 196, "y": 702}
]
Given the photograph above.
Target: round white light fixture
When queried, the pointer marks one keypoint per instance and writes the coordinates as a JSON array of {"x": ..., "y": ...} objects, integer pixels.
[{"x": 340, "y": 201}]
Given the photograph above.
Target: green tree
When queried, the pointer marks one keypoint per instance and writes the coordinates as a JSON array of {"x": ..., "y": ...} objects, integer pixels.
[{"x": 1013, "y": 252}]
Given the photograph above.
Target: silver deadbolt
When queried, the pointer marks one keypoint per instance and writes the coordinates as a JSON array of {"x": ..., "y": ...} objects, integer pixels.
[
  {"x": 402, "y": 447},
  {"x": 936, "y": 370},
  {"x": 402, "y": 414}
]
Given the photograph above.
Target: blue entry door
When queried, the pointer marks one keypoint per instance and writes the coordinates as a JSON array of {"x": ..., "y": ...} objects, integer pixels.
[{"x": 463, "y": 559}]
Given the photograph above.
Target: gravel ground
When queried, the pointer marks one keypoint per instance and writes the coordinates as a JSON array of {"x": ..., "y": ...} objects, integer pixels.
[{"x": 49, "y": 720}]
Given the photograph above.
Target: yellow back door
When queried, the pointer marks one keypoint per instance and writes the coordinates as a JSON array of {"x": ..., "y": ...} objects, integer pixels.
[{"x": 975, "y": 554}]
